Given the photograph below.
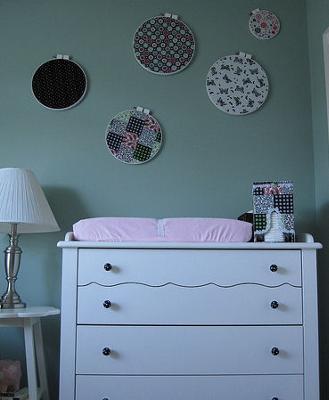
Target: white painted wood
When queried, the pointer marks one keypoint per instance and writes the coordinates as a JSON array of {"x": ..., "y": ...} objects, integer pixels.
[
  {"x": 172, "y": 346},
  {"x": 208, "y": 305},
  {"x": 189, "y": 267},
  {"x": 29, "y": 319},
  {"x": 300, "y": 237},
  {"x": 41, "y": 361},
  {"x": 69, "y": 237},
  {"x": 31, "y": 365},
  {"x": 326, "y": 67},
  {"x": 186, "y": 245},
  {"x": 310, "y": 309},
  {"x": 265, "y": 387},
  {"x": 187, "y": 350},
  {"x": 68, "y": 324},
  {"x": 29, "y": 312}
]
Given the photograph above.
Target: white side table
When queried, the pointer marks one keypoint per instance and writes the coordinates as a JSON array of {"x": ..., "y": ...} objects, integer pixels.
[{"x": 29, "y": 319}]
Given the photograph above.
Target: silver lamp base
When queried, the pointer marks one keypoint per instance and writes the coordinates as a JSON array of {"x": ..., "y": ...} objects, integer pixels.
[{"x": 10, "y": 299}]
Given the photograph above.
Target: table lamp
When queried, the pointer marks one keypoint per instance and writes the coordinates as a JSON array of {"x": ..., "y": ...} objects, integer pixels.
[{"x": 23, "y": 209}]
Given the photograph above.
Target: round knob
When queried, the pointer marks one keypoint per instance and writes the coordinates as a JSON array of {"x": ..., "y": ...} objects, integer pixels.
[
  {"x": 107, "y": 267},
  {"x": 107, "y": 304},
  {"x": 106, "y": 351},
  {"x": 274, "y": 398},
  {"x": 275, "y": 351},
  {"x": 274, "y": 304},
  {"x": 105, "y": 398},
  {"x": 273, "y": 268}
]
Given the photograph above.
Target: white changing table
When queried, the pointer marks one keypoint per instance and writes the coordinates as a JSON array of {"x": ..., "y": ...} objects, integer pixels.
[{"x": 189, "y": 321}]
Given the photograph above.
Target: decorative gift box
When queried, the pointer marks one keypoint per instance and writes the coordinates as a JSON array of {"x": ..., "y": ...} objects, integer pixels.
[{"x": 273, "y": 205}]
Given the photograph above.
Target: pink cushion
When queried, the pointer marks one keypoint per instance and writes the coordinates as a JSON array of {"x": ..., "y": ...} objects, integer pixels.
[
  {"x": 206, "y": 230},
  {"x": 116, "y": 229},
  {"x": 162, "y": 230}
]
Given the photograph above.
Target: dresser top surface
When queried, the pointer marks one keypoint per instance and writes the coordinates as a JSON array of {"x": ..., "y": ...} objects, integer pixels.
[{"x": 305, "y": 241}]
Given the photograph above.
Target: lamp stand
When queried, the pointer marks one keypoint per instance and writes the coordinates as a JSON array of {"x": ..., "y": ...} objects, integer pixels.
[{"x": 10, "y": 299}]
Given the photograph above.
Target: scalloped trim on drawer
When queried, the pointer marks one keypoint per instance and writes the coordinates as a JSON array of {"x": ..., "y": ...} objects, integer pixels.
[
  {"x": 171, "y": 304},
  {"x": 189, "y": 267}
]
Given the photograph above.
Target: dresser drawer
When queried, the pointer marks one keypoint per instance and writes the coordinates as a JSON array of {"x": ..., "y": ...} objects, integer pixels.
[
  {"x": 189, "y": 350},
  {"x": 189, "y": 267},
  {"x": 189, "y": 388},
  {"x": 245, "y": 304}
]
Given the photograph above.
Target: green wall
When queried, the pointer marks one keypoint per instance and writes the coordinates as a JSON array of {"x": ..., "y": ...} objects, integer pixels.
[
  {"x": 318, "y": 22},
  {"x": 209, "y": 159}
]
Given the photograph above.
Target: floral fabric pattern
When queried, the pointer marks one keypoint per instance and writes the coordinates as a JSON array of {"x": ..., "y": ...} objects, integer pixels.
[
  {"x": 263, "y": 24},
  {"x": 164, "y": 45}
]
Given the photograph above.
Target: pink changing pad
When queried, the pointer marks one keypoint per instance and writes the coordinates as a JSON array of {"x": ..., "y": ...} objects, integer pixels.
[{"x": 162, "y": 230}]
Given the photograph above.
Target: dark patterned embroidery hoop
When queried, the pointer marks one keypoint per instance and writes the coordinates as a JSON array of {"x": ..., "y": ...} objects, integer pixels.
[
  {"x": 164, "y": 45},
  {"x": 59, "y": 84},
  {"x": 237, "y": 85},
  {"x": 264, "y": 24},
  {"x": 134, "y": 136}
]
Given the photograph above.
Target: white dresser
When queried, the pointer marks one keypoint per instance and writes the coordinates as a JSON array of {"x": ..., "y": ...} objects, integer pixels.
[{"x": 179, "y": 321}]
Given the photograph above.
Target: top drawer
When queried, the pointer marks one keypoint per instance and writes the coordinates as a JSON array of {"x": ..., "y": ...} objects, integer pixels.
[{"x": 189, "y": 267}]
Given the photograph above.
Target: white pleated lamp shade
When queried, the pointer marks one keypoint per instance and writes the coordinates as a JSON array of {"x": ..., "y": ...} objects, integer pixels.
[{"x": 23, "y": 202}]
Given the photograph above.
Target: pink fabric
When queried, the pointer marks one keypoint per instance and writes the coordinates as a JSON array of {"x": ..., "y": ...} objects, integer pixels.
[
  {"x": 162, "y": 230},
  {"x": 206, "y": 230},
  {"x": 116, "y": 229}
]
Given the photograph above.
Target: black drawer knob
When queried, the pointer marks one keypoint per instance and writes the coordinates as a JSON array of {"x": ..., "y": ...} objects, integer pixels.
[
  {"x": 274, "y": 398},
  {"x": 107, "y": 267},
  {"x": 275, "y": 351},
  {"x": 106, "y": 351},
  {"x": 273, "y": 268},
  {"x": 106, "y": 398},
  {"x": 274, "y": 304},
  {"x": 107, "y": 304}
]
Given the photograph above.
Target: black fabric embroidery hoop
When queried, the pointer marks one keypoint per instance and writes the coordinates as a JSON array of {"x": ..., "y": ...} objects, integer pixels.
[{"x": 59, "y": 84}]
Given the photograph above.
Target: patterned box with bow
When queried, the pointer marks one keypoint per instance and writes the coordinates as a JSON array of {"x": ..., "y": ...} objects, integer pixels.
[{"x": 273, "y": 206}]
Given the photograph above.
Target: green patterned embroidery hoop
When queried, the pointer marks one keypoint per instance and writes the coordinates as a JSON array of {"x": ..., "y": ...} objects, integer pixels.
[{"x": 134, "y": 136}]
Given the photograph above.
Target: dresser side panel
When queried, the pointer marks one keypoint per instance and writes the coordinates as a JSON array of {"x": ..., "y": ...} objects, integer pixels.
[
  {"x": 310, "y": 316},
  {"x": 68, "y": 324}
]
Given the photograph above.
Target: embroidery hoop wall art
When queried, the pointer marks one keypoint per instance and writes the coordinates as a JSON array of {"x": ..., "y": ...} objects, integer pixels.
[
  {"x": 134, "y": 136},
  {"x": 164, "y": 45},
  {"x": 237, "y": 85},
  {"x": 59, "y": 84},
  {"x": 264, "y": 24}
]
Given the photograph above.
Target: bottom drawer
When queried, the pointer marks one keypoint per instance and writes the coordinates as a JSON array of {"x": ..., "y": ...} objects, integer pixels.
[{"x": 189, "y": 387}]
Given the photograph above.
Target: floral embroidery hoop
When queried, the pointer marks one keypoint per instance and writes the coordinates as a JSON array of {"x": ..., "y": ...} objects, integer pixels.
[
  {"x": 134, "y": 136},
  {"x": 237, "y": 84},
  {"x": 264, "y": 24},
  {"x": 164, "y": 45}
]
